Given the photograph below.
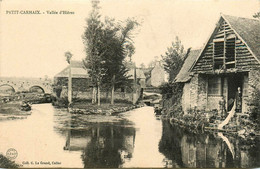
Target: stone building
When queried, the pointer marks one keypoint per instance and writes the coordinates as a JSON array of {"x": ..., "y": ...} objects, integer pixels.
[
  {"x": 80, "y": 78},
  {"x": 137, "y": 74},
  {"x": 137, "y": 79},
  {"x": 228, "y": 63},
  {"x": 158, "y": 75},
  {"x": 82, "y": 86}
]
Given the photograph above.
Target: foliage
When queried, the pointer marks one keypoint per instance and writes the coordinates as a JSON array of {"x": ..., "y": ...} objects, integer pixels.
[
  {"x": 170, "y": 90},
  {"x": 92, "y": 38},
  {"x": 255, "y": 104},
  {"x": 6, "y": 163},
  {"x": 257, "y": 15},
  {"x": 173, "y": 59},
  {"x": 119, "y": 45},
  {"x": 107, "y": 45},
  {"x": 61, "y": 102},
  {"x": 68, "y": 56}
]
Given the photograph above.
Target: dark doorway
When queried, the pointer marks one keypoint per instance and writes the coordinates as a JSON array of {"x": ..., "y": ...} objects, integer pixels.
[{"x": 234, "y": 82}]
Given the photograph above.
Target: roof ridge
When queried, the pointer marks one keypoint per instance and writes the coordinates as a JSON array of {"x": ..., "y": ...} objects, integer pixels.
[
  {"x": 224, "y": 15},
  {"x": 242, "y": 37},
  {"x": 62, "y": 71}
]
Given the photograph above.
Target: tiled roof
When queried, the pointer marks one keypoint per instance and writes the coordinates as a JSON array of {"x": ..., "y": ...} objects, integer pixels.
[
  {"x": 77, "y": 70},
  {"x": 184, "y": 74},
  {"x": 248, "y": 29}
]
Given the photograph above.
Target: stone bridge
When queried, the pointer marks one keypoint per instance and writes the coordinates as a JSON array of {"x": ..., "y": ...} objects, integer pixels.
[{"x": 24, "y": 84}]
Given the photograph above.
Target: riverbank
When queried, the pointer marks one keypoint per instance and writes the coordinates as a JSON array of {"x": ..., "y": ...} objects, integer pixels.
[
  {"x": 12, "y": 110},
  {"x": 199, "y": 121},
  {"x": 105, "y": 108}
]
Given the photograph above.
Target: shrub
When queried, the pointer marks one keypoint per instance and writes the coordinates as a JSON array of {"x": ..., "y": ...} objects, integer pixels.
[
  {"x": 6, "y": 163},
  {"x": 255, "y": 107}
]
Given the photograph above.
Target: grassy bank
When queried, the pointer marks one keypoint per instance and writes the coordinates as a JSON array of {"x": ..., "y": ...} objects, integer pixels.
[{"x": 85, "y": 106}]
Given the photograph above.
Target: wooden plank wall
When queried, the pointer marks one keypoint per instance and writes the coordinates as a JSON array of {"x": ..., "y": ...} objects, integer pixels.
[{"x": 244, "y": 59}]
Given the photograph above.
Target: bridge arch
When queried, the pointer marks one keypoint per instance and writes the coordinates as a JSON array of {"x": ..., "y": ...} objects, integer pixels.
[
  {"x": 36, "y": 88},
  {"x": 7, "y": 85}
]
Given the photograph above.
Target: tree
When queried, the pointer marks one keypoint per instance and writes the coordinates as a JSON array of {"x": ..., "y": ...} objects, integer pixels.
[
  {"x": 118, "y": 46},
  {"x": 107, "y": 45},
  {"x": 92, "y": 38},
  {"x": 257, "y": 15},
  {"x": 173, "y": 59}
]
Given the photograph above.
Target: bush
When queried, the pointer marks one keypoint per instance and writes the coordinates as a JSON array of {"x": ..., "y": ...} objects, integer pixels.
[
  {"x": 61, "y": 102},
  {"x": 255, "y": 107},
  {"x": 169, "y": 90},
  {"x": 171, "y": 95},
  {"x": 6, "y": 163}
]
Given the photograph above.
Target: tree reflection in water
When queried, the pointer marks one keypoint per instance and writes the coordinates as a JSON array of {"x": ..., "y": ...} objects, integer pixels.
[
  {"x": 109, "y": 146},
  {"x": 184, "y": 149},
  {"x": 102, "y": 144}
]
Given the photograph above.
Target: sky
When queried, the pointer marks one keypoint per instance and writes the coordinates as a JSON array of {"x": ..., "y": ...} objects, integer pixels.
[{"x": 34, "y": 45}]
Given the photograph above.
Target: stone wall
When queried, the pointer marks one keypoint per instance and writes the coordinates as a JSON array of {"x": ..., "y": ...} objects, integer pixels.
[
  {"x": 195, "y": 93},
  {"x": 186, "y": 99},
  {"x": 253, "y": 84},
  {"x": 103, "y": 95},
  {"x": 78, "y": 84},
  {"x": 81, "y": 88},
  {"x": 194, "y": 83},
  {"x": 213, "y": 102},
  {"x": 202, "y": 92}
]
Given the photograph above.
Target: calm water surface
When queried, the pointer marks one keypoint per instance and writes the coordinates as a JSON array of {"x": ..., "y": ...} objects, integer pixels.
[{"x": 133, "y": 139}]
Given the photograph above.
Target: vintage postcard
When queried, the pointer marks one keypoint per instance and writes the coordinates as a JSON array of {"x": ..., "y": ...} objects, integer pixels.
[{"x": 129, "y": 83}]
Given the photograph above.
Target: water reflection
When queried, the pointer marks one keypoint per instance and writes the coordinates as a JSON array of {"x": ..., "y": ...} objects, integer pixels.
[
  {"x": 183, "y": 149},
  {"x": 133, "y": 139},
  {"x": 102, "y": 144}
]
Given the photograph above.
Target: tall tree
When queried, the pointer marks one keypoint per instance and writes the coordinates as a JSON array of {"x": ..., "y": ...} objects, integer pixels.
[
  {"x": 119, "y": 45},
  {"x": 173, "y": 59},
  {"x": 107, "y": 43},
  {"x": 92, "y": 38}
]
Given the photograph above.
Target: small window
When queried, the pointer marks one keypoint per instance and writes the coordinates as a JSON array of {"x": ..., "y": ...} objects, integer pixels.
[{"x": 214, "y": 86}]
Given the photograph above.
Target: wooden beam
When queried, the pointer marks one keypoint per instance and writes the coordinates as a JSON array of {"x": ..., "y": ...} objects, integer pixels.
[{"x": 224, "y": 52}]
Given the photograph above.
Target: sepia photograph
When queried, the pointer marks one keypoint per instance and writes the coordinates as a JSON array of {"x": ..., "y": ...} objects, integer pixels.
[{"x": 129, "y": 83}]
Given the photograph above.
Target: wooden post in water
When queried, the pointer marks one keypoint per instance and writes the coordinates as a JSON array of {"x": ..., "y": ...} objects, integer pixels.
[
  {"x": 68, "y": 56},
  {"x": 70, "y": 86}
]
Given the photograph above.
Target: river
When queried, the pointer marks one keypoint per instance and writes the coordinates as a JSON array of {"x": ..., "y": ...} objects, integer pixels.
[{"x": 53, "y": 137}]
